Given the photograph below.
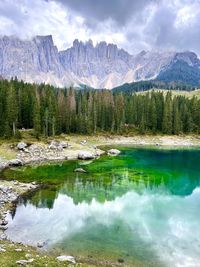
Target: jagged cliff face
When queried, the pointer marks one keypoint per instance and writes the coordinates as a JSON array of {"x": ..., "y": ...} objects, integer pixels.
[{"x": 100, "y": 66}]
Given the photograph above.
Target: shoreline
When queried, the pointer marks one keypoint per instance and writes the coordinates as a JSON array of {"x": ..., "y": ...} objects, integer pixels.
[{"x": 68, "y": 147}]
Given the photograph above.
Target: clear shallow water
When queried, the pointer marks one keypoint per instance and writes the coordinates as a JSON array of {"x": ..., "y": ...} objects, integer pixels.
[{"x": 142, "y": 206}]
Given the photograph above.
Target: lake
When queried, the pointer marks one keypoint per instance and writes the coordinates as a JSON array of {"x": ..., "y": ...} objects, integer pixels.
[{"x": 138, "y": 208}]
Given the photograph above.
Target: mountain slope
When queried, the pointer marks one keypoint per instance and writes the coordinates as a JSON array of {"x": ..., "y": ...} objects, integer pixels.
[
  {"x": 180, "y": 71},
  {"x": 100, "y": 66}
]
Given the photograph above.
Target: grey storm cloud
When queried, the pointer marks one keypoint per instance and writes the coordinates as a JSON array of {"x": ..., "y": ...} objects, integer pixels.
[
  {"x": 118, "y": 10},
  {"x": 134, "y": 25}
]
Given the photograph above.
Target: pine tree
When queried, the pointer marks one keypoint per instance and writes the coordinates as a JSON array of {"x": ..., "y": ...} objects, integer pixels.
[{"x": 167, "y": 114}]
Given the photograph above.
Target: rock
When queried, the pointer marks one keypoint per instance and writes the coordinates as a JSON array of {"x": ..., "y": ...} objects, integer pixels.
[
  {"x": 18, "y": 250},
  {"x": 4, "y": 189},
  {"x": 15, "y": 163},
  {"x": 34, "y": 148},
  {"x": 85, "y": 155},
  {"x": 3, "y": 237},
  {"x": 64, "y": 144},
  {"x": 113, "y": 152},
  {"x": 66, "y": 258},
  {"x": 3, "y": 222},
  {"x": 80, "y": 170},
  {"x": 40, "y": 244},
  {"x": 21, "y": 145},
  {"x": 3, "y": 227},
  {"x": 54, "y": 145},
  {"x": 2, "y": 250},
  {"x": 24, "y": 262},
  {"x": 84, "y": 142}
]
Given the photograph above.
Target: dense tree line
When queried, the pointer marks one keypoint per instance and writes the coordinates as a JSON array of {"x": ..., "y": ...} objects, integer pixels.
[
  {"x": 154, "y": 84},
  {"x": 50, "y": 111}
]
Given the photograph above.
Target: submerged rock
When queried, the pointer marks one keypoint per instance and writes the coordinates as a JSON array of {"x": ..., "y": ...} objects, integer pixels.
[
  {"x": 66, "y": 258},
  {"x": 85, "y": 155},
  {"x": 113, "y": 152},
  {"x": 80, "y": 170},
  {"x": 40, "y": 244}
]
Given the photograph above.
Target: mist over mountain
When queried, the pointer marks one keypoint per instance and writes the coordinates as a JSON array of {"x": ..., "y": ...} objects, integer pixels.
[{"x": 100, "y": 66}]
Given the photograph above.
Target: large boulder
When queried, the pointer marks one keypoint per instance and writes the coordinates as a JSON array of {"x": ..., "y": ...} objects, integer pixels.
[
  {"x": 85, "y": 155},
  {"x": 21, "y": 145},
  {"x": 113, "y": 152},
  {"x": 54, "y": 145}
]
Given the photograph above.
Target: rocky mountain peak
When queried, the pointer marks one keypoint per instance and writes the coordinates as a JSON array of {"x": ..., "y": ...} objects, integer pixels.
[
  {"x": 189, "y": 57},
  {"x": 101, "y": 66},
  {"x": 48, "y": 39}
]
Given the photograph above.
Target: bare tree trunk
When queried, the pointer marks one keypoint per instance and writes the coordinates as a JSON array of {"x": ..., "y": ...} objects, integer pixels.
[
  {"x": 46, "y": 122},
  {"x": 53, "y": 126},
  {"x": 14, "y": 128}
]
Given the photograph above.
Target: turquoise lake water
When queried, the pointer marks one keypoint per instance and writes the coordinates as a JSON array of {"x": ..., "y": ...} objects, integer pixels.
[{"x": 142, "y": 207}]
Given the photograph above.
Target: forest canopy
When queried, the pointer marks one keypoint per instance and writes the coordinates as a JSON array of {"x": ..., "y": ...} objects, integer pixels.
[{"x": 51, "y": 111}]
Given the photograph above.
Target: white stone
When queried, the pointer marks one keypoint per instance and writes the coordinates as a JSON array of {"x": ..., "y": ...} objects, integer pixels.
[
  {"x": 85, "y": 155},
  {"x": 15, "y": 162},
  {"x": 24, "y": 262},
  {"x": 113, "y": 152},
  {"x": 66, "y": 258},
  {"x": 80, "y": 170},
  {"x": 21, "y": 145}
]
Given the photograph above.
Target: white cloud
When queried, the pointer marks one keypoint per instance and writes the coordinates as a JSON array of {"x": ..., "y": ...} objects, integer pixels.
[{"x": 172, "y": 24}]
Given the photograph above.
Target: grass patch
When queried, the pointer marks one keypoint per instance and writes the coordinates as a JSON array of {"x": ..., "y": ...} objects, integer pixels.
[
  {"x": 6, "y": 152},
  {"x": 9, "y": 258}
]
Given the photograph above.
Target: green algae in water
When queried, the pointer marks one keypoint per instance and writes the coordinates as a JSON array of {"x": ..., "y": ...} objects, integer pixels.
[{"x": 141, "y": 206}]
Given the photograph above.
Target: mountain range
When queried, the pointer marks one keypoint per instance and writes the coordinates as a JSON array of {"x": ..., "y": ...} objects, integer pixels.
[{"x": 101, "y": 66}]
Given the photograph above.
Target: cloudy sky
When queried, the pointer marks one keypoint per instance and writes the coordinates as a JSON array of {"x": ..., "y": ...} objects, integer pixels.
[{"x": 134, "y": 25}]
